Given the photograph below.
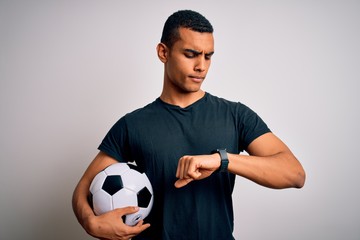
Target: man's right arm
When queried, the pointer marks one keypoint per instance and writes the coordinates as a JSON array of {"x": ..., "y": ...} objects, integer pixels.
[{"x": 108, "y": 225}]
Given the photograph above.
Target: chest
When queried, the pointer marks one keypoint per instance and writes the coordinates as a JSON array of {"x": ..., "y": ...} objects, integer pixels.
[{"x": 161, "y": 140}]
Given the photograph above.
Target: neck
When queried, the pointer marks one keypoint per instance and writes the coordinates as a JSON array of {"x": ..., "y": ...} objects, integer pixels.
[{"x": 182, "y": 99}]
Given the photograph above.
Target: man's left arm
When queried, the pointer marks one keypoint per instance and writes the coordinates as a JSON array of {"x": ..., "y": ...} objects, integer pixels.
[{"x": 270, "y": 164}]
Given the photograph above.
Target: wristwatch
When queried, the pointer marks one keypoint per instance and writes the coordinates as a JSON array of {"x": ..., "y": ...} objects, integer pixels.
[{"x": 224, "y": 160}]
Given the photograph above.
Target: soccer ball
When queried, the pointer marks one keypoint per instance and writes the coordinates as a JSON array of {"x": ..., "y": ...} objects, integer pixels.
[{"x": 121, "y": 185}]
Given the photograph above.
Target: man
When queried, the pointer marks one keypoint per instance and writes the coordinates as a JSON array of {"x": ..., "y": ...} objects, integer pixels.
[{"x": 188, "y": 143}]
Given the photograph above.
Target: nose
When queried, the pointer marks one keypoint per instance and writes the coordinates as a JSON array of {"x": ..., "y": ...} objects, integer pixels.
[{"x": 200, "y": 65}]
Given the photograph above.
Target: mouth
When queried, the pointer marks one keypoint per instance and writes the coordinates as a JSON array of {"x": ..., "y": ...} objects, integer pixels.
[{"x": 197, "y": 78}]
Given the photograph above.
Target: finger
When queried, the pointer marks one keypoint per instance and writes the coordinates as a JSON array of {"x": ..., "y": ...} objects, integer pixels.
[
  {"x": 136, "y": 229},
  {"x": 183, "y": 167},
  {"x": 141, "y": 225},
  {"x": 179, "y": 168},
  {"x": 187, "y": 169},
  {"x": 193, "y": 170}
]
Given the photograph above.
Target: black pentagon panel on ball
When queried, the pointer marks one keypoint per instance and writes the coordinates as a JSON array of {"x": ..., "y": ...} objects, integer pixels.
[
  {"x": 112, "y": 184},
  {"x": 136, "y": 168},
  {"x": 123, "y": 217},
  {"x": 144, "y": 197},
  {"x": 90, "y": 200}
]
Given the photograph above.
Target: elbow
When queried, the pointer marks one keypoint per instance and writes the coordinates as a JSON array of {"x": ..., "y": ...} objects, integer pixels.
[
  {"x": 294, "y": 178},
  {"x": 299, "y": 178},
  {"x": 300, "y": 182}
]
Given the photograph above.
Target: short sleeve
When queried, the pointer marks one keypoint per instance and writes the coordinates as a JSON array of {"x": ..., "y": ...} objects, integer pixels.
[
  {"x": 251, "y": 126},
  {"x": 116, "y": 143}
]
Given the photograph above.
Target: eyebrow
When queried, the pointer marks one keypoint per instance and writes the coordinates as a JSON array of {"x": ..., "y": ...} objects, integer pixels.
[{"x": 197, "y": 52}]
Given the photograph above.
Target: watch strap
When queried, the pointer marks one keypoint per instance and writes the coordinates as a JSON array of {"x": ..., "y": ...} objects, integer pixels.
[{"x": 224, "y": 162}]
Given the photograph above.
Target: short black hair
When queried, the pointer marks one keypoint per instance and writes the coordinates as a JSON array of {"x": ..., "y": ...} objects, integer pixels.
[{"x": 187, "y": 19}]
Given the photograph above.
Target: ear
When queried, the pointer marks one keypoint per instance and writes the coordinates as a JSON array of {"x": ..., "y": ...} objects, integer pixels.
[{"x": 163, "y": 52}]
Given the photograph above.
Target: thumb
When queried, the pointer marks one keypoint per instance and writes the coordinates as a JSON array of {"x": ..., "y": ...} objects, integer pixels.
[
  {"x": 127, "y": 210},
  {"x": 182, "y": 182}
]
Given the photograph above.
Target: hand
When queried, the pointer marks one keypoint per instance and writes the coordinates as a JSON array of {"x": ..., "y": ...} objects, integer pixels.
[
  {"x": 195, "y": 168},
  {"x": 111, "y": 226}
]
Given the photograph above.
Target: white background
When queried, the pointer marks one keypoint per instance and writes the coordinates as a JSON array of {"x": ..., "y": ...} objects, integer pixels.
[{"x": 70, "y": 69}]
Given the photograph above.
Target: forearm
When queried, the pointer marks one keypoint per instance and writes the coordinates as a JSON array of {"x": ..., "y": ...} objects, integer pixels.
[
  {"x": 281, "y": 170},
  {"x": 81, "y": 207}
]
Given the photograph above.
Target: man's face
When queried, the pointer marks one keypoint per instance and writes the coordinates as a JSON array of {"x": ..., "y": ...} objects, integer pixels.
[{"x": 189, "y": 60}]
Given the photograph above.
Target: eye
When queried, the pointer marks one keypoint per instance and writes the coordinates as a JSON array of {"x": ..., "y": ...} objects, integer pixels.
[
  {"x": 208, "y": 56},
  {"x": 190, "y": 54}
]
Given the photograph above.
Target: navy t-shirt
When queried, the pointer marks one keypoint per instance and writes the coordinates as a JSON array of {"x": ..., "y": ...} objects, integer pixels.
[{"x": 158, "y": 135}]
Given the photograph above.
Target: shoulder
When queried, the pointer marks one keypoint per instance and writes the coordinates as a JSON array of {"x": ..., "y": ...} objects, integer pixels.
[
  {"x": 135, "y": 115},
  {"x": 238, "y": 110},
  {"x": 222, "y": 102},
  {"x": 144, "y": 116},
  {"x": 148, "y": 109}
]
